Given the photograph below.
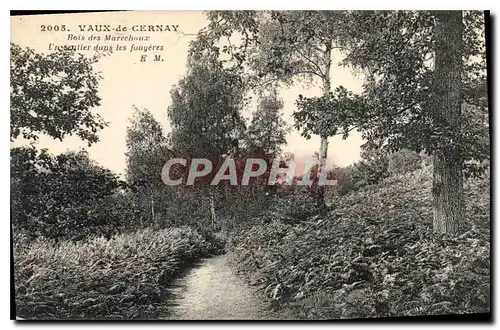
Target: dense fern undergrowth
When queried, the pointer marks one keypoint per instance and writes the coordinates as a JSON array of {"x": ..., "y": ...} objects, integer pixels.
[
  {"x": 124, "y": 277},
  {"x": 372, "y": 254}
]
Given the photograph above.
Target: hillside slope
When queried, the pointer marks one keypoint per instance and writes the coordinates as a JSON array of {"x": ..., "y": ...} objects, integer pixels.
[{"x": 372, "y": 255}]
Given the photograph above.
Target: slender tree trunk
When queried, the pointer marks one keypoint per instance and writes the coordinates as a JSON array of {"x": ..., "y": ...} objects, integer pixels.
[
  {"x": 448, "y": 166},
  {"x": 212, "y": 207},
  {"x": 152, "y": 209},
  {"x": 323, "y": 152},
  {"x": 323, "y": 148}
]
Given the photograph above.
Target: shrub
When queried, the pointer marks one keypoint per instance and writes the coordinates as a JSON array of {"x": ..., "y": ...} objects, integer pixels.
[
  {"x": 237, "y": 207},
  {"x": 343, "y": 177},
  {"x": 368, "y": 172},
  {"x": 121, "y": 278},
  {"x": 403, "y": 161},
  {"x": 62, "y": 197},
  {"x": 363, "y": 173},
  {"x": 298, "y": 202}
]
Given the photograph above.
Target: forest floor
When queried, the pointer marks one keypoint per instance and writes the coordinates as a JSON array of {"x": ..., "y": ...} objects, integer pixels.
[
  {"x": 211, "y": 291},
  {"x": 373, "y": 253}
]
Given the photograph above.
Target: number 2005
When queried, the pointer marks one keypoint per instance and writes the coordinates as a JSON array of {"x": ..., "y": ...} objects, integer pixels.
[{"x": 49, "y": 28}]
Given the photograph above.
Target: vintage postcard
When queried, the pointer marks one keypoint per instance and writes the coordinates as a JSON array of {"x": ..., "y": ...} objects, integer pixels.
[{"x": 250, "y": 165}]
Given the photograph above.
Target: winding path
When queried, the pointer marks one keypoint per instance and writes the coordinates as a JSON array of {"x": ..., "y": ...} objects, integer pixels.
[{"x": 211, "y": 291}]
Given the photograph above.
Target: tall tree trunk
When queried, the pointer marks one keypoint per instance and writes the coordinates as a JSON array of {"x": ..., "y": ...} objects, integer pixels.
[
  {"x": 448, "y": 166},
  {"x": 323, "y": 151},
  {"x": 323, "y": 148}
]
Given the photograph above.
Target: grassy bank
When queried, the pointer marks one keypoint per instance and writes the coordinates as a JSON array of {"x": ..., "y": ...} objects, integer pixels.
[
  {"x": 373, "y": 254},
  {"x": 121, "y": 278}
]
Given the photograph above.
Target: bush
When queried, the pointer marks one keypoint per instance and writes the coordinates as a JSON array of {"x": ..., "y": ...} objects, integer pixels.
[
  {"x": 237, "y": 207},
  {"x": 374, "y": 254},
  {"x": 369, "y": 172},
  {"x": 62, "y": 197},
  {"x": 298, "y": 202},
  {"x": 121, "y": 278},
  {"x": 360, "y": 174},
  {"x": 403, "y": 161},
  {"x": 344, "y": 181}
]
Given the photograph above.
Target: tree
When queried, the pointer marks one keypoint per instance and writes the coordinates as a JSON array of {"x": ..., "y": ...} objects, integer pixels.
[
  {"x": 53, "y": 94},
  {"x": 147, "y": 152},
  {"x": 267, "y": 130},
  {"x": 63, "y": 196},
  {"x": 448, "y": 188},
  {"x": 147, "y": 148},
  {"x": 205, "y": 117},
  {"x": 416, "y": 84},
  {"x": 204, "y": 114},
  {"x": 284, "y": 46}
]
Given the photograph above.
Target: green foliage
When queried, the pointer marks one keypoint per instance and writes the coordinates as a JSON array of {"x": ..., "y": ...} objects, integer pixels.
[
  {"x": 344, "y": 180},
  {"x": 147, "y": 152},
  {"x": 62, "y": 197},
  {"x": 296, "y": 203},
  {"x": 53, "y": 94},
  {"x": 121, "y": 278},
  {"x": 368, "y": 172},
  {"x": 403, "y": 161},
  {"x": 205, "y": 112},
  {"x": 374, "y": 254},
  {"x": 402, "y": 89},
  {"x": 293, "y": 44},
  {"x": 335, "y": 113},
  {"x": 147, "y": 149},
  {"x": 267, "y": 131}
]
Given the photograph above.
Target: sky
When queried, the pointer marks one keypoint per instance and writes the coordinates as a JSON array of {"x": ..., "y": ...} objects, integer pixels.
[{"x": 128, "y": 82}]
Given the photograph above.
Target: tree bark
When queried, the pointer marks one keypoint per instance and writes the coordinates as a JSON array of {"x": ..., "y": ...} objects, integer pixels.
[
  {"x": 323, "y": 152},
  {"x": 212, "y": 207},
  {"x": 447, "y": 187},
  {"x": 152, "y": 209},
  {"x": 323, "y": 148}
]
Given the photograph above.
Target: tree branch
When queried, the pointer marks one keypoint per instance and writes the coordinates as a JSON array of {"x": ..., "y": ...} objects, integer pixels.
[
  {"x": 288, "y": 76},
  {"x": 311, "y": 61},
  {"x": 375, "y": 118}
]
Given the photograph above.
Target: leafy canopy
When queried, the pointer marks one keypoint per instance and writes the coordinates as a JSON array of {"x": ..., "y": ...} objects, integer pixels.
[
  {"x": 53, "y": 94},
  {"x": 147, "y": 149},
  {"x": 395, "y": 52}
]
